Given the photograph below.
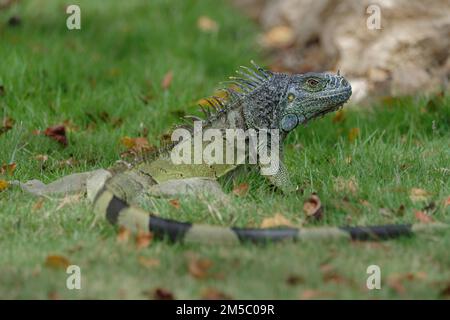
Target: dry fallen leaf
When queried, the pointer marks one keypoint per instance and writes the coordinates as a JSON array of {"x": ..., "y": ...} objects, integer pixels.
[
  {"x": 148, "y": 262},
  {"x": 353, "y": 134},
  {"x": 167, "y": 80},
  {"x": 312, "y": 207},
  {"x": 143, "y": 239},
  {"x": 417, "y": 195},
  {"x": 199, "y": 268},
  {"x": 7, "y": 125},
  {"x": 139, "y": 144},
  {"x": 57, "y": 262},
  {"x": 294, "y": 280},
  {"x": 38, "y": 204},
  {"x": 207, "y": 24},
  {"x": 41, "y": 157},
  {"x": 123, "y": 235},
  {"x": 314, "y": 294},
  {"x": 162, "y": 294},
  {"x": 346, "y": 185},
  {"x": 241, "y": 189},
  {"x": 8, "y": 169},
  {"x": 3, "y": 185},
  {"x": 276, "y": 221},
  {"x": 57, "y": 133},
  {"x": 338, "y": 116},
  {"x": 175, "y": 203},
  {"x": 214, "y": 294},
  {"x": 447, "y": 202},
  {"x": 279, "y": 37},
  {"x": 423, "y": 217},
  {"x": 445, "y": 292}
]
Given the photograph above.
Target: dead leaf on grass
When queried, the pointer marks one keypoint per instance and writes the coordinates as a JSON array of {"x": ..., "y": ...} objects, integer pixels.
[
  {"x": 417, "y": 195},
  {"x": 123, "y": 235},
  {"x": 241, "y": 189},
  {"x": 199, "y": 268},
  {"x": 57, "y": 133},
  {"x": 167, "y": 80},
  {"x": 346, "y": 185},
  {"x": 143, "y": 239},
  {"x": 423, "y": 217},
  {"x": 277, "y": 220},
  {"x": 57, "y": 262},
  {"x": 214, "y": 294},
  {"x": 206, "y": 24},
  {"x": 148, "y": 262},
  {"x": 175, "y": 203},
  {"x": 3, "y": 185},
  {"x": 312, "y": 207}
]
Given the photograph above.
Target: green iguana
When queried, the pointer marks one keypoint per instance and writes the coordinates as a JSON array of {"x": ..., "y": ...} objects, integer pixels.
[{"x": 265, "y": 100}]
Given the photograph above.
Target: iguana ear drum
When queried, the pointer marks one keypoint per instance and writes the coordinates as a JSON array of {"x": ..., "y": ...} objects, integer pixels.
[{"x": 289, "y": 122}]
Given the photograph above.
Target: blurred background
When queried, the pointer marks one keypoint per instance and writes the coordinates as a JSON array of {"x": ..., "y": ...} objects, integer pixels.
[{"x": 407, "y": 53}]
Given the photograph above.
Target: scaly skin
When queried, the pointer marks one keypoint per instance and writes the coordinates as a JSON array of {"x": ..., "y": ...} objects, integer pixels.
[{"x": 266, "y": 100}]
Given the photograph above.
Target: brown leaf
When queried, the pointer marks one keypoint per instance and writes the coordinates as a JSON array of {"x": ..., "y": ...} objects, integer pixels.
[
  {"x": 447, "y": 202},
  {"x": 175, "y": 203},
  {"x": 312, "y": 207},
  {"x": 8, "y": 169},
  {"x": 139, "y": 144},
  {"x": 38, "y": 204},
  {"x": 423, "y": 217},
  {"x": 148, "y": 262},
  {"x": 276, "y": 221},
  {"x": 57, "y": 133},
  {"x": 167, "y": 80},
  {"x": 445, "y": 293},
  {"x": 123, "y": 235},
  {"x": 241, "y": 189},
  {"x": 338, "y": 116},
  {"x": 417, "y": 195},
  {"x": 214, "y": 294},
  {"x": 57, "y": 262},
  {"x": 353, "y": 134},
  {"x": 279, "y": 37},
  {"x": 396, "y": 284},
  {"x": 199, "y": 268},
  {"x": 314, "y": 294},
  {"x": 206, "y": 24},
  {"x": 294, "y": 280},
  {"x": 346, "y": 185},
  {"x": 162, "y": 294},
  {"x": 7, "y": 124},
  {"x": 143, "y": 239},
  {"x": 41, "y": 157},
  {"x": 3, "y": 185}
]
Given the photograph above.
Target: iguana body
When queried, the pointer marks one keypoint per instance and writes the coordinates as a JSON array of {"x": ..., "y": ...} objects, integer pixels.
[{"x": 265, "y": 100}]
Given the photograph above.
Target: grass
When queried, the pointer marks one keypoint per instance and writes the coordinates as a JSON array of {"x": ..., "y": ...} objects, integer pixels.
[{"x": 121, "y": 54}]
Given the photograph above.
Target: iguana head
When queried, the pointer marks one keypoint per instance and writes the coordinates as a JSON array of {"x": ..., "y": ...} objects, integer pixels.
[{"x": 311, "y": 95}]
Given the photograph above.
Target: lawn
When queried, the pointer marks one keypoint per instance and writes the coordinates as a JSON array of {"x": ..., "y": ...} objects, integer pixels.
[{"x": 375, "y": 164}]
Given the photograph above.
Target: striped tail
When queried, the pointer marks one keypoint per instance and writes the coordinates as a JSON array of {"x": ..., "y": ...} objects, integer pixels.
[{"x": 117, "y": 211}]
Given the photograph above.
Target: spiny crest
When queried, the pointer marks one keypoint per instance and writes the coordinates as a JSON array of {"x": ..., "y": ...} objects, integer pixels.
[{"x": 237, "y": 88}]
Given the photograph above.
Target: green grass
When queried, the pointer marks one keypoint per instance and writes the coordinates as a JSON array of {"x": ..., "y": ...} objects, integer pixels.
[{"x": 122, "y": 53}]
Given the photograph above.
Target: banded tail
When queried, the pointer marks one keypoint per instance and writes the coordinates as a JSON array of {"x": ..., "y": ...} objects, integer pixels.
[{"x": 117, "y": 211}]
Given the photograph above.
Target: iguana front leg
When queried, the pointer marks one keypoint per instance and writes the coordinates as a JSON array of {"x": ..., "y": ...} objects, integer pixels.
[{"x": 281, "y": 179}]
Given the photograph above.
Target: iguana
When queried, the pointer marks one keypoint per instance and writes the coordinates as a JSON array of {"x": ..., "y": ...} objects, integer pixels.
[{"x": 261, "y": 100}]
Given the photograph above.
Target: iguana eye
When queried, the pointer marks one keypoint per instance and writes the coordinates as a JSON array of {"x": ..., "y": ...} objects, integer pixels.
[
  {"x": 312, "y": 82},
  {"x": 290, "y": 97}
]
